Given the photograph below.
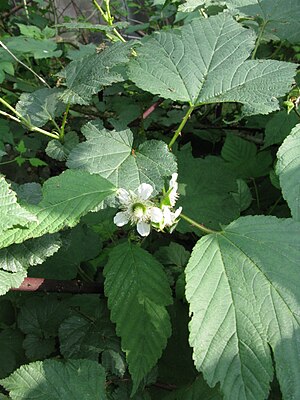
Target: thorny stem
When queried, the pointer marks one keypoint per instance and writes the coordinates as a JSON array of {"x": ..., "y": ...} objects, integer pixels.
[
  {"x": 197, "y": 225},
  {"x": 108, "y": 18},
  {"x": 24, "y": 65},
  {"x": 181, "y": 126},
  {"x": 258, "y": 40}
]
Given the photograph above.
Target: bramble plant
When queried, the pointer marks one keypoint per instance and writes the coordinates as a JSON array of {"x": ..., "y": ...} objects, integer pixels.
[{"x": 150, "y": 181}]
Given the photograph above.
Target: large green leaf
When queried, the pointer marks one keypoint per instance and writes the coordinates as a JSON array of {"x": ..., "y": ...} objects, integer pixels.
[
  {"x": 110, "y": 154},
  {"x": 18, "y": 257},
  {"x": 11, "y": 351},
  {"x": 40, "y": 106},
  {"x": 243, "y": 290},
  {"x": 205, "y": 62},
  {"x": 90, "y": 74},
  {"x": 138, "y": 293},
  {"x": 38, "y": 48},
  {"x": 288, "y": 169},
  {"x": 281, "y": 16},
  {"x": 206, "y": 197},
  {"x": 11, "y": 213},
  {"x": 279, "y": 126},
  {"x": 55, "y": 380},
  {"x": 66, "y": 198},
  {"x": 10, "y": 280}
]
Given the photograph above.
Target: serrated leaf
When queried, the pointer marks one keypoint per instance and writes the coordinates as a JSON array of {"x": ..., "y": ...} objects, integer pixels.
[
  {"x": 207, "y": 199},
  {"x": 66, "y": 198},
  {"x": 60, "y": 151},
  {"x": 82, "y": 338},
  {"x": 12, "y": 214},
  {"x": 18, "y": 257},
  {"x": 55, "y": 380},
  {"x": 89, "y": 75},
  {"x": 242, "y": 301},
  {"x": 279, "y": 127},
  {"x": 282, "y": 17},
  {"x": 205, "y": 62},
  {"x": 41, "y": 105},
  {"x": 93, "y": 27},
  {"x": 138, "y": 293},
  {"x": 37, "y": 347},
  {"x": 29, "y": 192},
  {"x": 243, "y": 158},
  {"x": 195, "y": 391},
  {"x": 41, "y": 318},
  {"x": 110, "y": 154},
  {"x": 288, "y": 169},
  {"x": 10, "y": 280}
]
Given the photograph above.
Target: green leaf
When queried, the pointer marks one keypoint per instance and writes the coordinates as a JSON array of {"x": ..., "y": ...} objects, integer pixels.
[
  {"x": 18, "y": 257},
  {"x": 40, "y": 106},
  {"x": 243, "y": 196},
  {"x": 110, "y": 154},
  {"x": 195, "y": 391},
  {"x": 89, "y": 75},
  {"x": 36, "y": 162},
  {"x": 138, "y": 293},
  {"x": 60, "y": 151},
  {"x": 41, "y": 318},
  {"x": 55, "y": 380},
  {"x": 82, "y": 338},
  {"x": 66, "y": 198},
  {"x": 242, "y": 157},
  {"x": 281, "y": 16},
  {"x": 93, "y": 27},
  {"x": 279, "y": 126},
  {"x": 12, "y": 214},
  {"x": 208, "y": 198},
  {"x": 10, "y": 280},
  {"x": 37, "y": 347},
  {"x": 242, "y": 301},
  {"x": 77, "y": 245},
  {"x": 288, "y": 169},
  {"x": 37, "y": 48},
  {"x": 205, "y": 62},
  {"x": 11, "y": 351}
]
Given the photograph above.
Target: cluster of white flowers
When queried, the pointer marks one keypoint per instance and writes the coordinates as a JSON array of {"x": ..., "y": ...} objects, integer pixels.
[{"x": 139, "y": 210}]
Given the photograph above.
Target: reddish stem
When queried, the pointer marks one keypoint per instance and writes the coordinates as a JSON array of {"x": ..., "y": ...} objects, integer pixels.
[
  {"x": 51, "y": 285},
  {"x": 151, "y": 108}
]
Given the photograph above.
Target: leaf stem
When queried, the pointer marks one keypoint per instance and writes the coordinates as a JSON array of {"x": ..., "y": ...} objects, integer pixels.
[
  {"x": 181, "y": 126},
  {"x": 24, "y": 121},
  {"x": 24, "y": 65},
  {"x": 62, "y": 128},
  {"x": 197, "y": 225},
  {"x": 258, "y": 40},
  {"x": 256, "y": 193}
]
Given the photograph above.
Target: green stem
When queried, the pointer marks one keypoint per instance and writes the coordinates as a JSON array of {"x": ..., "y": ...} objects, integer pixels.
[
  {"x": 8, "y": 162},
  {"x": 272, "y": 208},
  {"x": 62, "y": 128},
  {"x": 197, "y": 225},
  {"x": 23, "y": 121},
  {"x": 256, "y": 193},
  {"x": 181, "y": 126},
  {"x": 258, "y": 40}
]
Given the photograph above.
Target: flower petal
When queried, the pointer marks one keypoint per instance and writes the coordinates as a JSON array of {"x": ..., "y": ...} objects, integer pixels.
[
  {"x": 143, "y": 228},
  {"x": 177, "y": 212},
  {"x": 144, "y": 191},
  {"x": 156, "y": 214},
  {"x": 121, "y": 218},
  {"x": 173, "y": 181},
  {"x": 123, "y": 196}
]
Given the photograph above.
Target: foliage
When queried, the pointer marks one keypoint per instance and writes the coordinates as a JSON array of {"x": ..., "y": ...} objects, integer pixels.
[{"x": 177, "y": 121}]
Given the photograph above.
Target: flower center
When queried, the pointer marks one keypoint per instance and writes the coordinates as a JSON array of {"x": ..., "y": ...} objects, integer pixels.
[{"x": 138, "y": 210}]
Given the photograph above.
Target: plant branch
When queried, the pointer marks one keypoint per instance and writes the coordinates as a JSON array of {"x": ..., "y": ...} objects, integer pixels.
[
  {"x": 24, "y": 65},
  {"x": 59, "y": 286},
  {"x": 14, "y": 9},
  {"x": 197, "y": 225},
  {"x": 258, "y": 40},
  {"x": 181, "y": 126},
  {"x": 151, "y": 108}
]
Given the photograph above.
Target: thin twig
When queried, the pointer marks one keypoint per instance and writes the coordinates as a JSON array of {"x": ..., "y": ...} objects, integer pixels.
[
  {"x": 24, "y": 65},
  {"x": 14, "y": 9},
  {"x": 151, "y": 108}
]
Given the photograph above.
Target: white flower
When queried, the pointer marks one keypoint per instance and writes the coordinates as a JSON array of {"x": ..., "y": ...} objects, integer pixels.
[
  {"x": 138, "y": 209},
  {"x": 173, "y": 188}
]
